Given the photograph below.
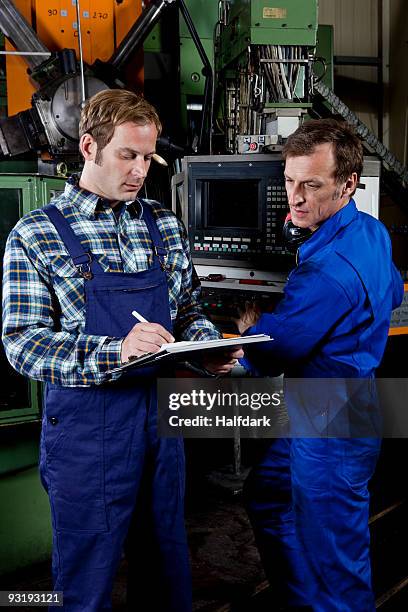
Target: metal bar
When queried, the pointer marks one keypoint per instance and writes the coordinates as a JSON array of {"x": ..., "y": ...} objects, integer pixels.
[
  {"x": 208, "y": 73},
  {"x": 81, "y": 56},
  {"x": 283, "y": 61},
  {"x": 138, "y": 32},
  {"x": 20, "y": 33},
  {"x": 45, "y": 53},
  {"x": 386, "y": 511},
  {"x": 391, "y": 592}
]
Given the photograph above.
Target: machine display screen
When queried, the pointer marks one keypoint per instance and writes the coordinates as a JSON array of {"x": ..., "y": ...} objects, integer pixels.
[
  {"x": 232, "y": 203},
  {"x": 236, "y": 207}
]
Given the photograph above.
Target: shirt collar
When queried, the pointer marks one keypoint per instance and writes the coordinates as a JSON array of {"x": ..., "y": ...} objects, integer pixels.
[
  {"x": 328, "y": 230},
  {"x": 90, "y": 204}
]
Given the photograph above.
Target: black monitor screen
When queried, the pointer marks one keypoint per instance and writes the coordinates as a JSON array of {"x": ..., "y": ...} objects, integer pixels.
[{"x": 232, "y": 203}]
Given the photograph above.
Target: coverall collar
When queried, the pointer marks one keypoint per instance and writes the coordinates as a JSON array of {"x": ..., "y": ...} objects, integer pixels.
[
  {"x": 327, "y": 231},
  {"x": 90, "y": 204}
]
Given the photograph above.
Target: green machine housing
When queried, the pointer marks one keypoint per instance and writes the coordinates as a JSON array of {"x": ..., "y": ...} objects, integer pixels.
[
  {"x": 25, "y": 531},
  {"x": 258, "y": 22},
  {"x": 235, "y": 35}
]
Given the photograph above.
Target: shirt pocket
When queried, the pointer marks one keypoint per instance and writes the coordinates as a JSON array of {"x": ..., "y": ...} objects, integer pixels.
[{"x": 63, "y": 266}]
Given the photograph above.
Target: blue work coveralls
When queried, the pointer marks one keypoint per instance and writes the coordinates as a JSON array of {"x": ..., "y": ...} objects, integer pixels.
[
  {"x": 308, "y": 499},
  {"x": 101, "y": 457}
]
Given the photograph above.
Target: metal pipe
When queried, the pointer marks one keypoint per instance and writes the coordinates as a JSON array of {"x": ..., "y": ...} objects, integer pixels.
[
  {"x": 43, "y": 53},
  {"x": 208, "y": 72},
  {"x": 138, "y": 32},
  {"x": 283, "y": 61},
  {"x": 20, "y": 33},
  {"x": 81, "y": 56}
]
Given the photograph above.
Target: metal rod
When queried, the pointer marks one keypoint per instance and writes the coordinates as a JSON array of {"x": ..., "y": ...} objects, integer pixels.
[
  {"x": 138, "y": 32},
  {"x": 283, "y": 61},
  {"x": 20, "y": 33},
  {"x": 47, "y": 54},
  {"x": 81, "y": 56},
  {"x": 208, "y": 72}
]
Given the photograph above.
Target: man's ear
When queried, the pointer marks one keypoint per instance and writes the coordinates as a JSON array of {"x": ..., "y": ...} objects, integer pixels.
[
  {"x": 88, "y": 147},
  {"x": 350, "y": 185}
]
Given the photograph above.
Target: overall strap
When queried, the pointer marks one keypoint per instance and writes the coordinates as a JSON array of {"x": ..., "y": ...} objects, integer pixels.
[
  {"x": 158, "y": 248},
  {"x": 83, "y": 260}
]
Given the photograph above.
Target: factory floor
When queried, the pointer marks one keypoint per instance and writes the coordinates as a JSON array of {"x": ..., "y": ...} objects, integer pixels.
[{"x": 227, "y": 575}]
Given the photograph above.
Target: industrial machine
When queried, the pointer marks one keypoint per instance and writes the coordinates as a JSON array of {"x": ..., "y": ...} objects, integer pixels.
[
  {"x": 265, "y": 68},
  {"x": 65, "y": 79},
  {"x": 244, "y": 73}
]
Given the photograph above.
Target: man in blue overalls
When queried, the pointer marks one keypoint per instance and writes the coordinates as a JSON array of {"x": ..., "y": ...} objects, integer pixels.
[
  {"x": 308, "y": 500},
  {"x": 74, "y": 272}
]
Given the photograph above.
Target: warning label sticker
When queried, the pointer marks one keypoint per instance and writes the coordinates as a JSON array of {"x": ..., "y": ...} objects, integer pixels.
[{"x": 274, "y": 13}]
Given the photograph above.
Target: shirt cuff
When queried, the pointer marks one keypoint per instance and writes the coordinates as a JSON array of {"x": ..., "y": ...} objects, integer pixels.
[{"x": 109, "y": 357}]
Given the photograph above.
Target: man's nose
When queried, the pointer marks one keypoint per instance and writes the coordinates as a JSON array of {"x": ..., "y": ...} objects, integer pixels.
[
  {"x": 139, "y": 168},
  {"x": 295, "y": 194}
]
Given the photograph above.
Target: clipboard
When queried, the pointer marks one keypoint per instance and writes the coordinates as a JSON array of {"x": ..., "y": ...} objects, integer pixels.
[{"x": 183, "y": 349}]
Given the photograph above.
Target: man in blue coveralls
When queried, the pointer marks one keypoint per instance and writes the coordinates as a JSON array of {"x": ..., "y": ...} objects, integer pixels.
[
  {"x": 308, "y": 500},
  {"x": 73, "y": 273}
]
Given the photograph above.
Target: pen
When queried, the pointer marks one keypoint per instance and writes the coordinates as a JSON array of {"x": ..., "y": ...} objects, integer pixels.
[{"x": 139, "y": 317}]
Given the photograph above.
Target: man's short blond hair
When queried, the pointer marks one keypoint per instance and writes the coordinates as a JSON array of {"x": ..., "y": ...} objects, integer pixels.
[{"x": 109, "y": 108}]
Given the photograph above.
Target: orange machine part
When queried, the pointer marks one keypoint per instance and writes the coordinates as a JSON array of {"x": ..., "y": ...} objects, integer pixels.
[
  {"x": 104, "y": 23},
  {"x": 398, "y": 331},
  {"x": 19, "y": 86}
]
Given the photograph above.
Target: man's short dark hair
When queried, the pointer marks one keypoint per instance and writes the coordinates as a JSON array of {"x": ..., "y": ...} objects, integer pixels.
[
  {"x": 347, "y": 147},
  {"x": 111, "y": 107}
]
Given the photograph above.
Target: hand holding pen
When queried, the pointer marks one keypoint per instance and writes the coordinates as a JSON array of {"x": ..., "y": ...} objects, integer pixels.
[
  {"x": 147, "y": 337},
  {"x": 144, "y": 338}
]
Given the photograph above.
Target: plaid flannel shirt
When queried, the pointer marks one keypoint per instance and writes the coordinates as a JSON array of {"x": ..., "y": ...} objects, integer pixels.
[{"x": 43, "y": 294}]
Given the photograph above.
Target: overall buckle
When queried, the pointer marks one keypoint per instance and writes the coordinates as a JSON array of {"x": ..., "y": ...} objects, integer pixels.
[
  {"x": 162, "y": 257},
  {"x": 84, "y": 269}
]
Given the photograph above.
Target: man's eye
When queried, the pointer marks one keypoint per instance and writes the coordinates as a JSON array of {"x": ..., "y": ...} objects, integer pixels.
[
  {"x": 312, "y": 185},
  {"x": 148, "y": 158}
]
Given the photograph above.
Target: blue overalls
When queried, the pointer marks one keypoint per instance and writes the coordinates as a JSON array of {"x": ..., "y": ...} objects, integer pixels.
[
  {"x": 308, "y": 499},
  {"x": 101, "y": 457}
]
